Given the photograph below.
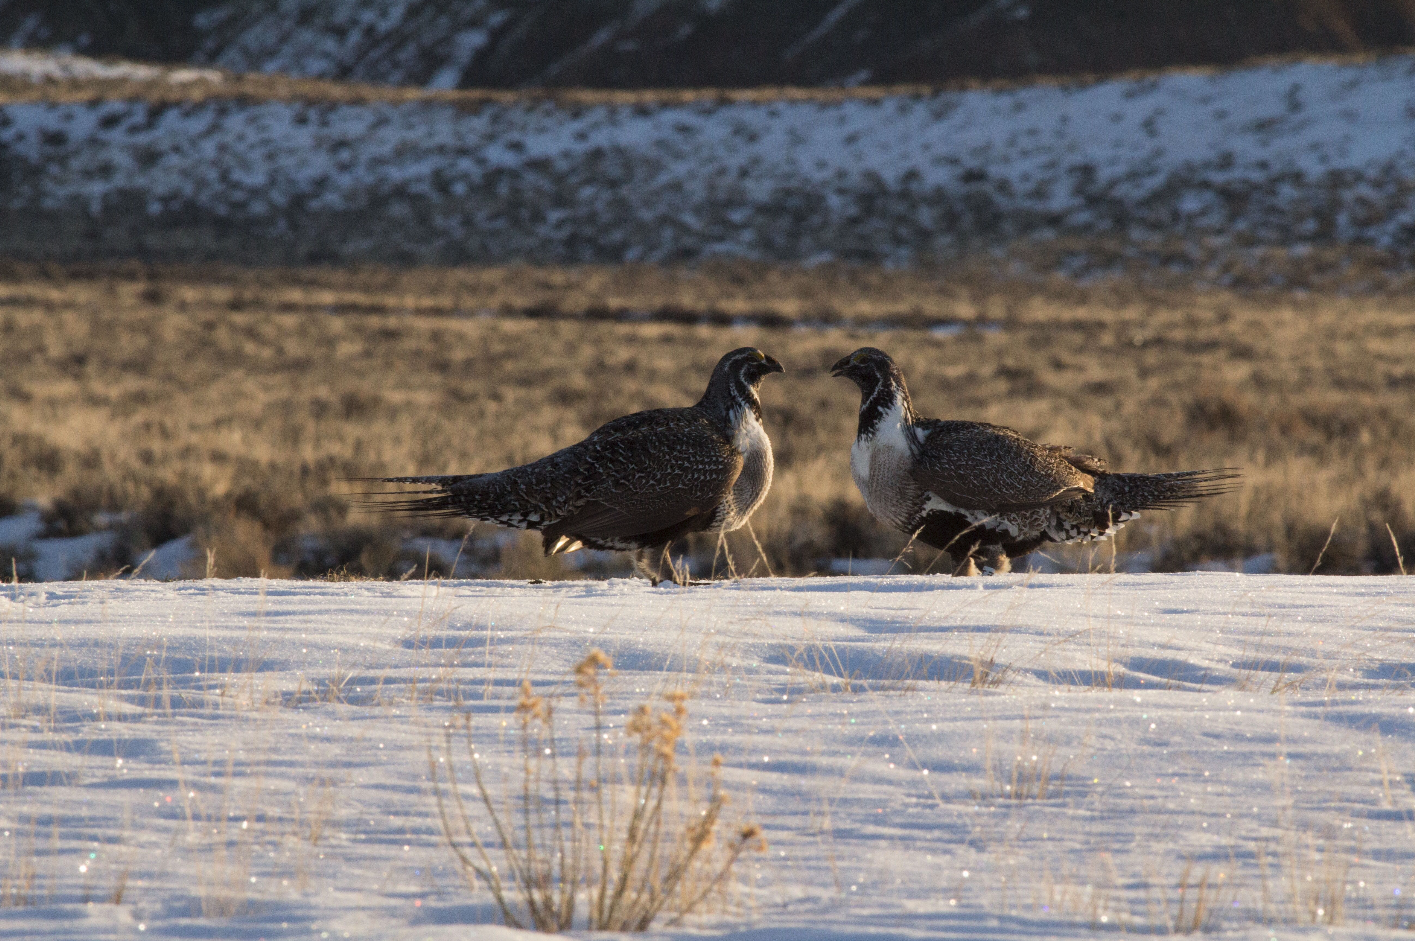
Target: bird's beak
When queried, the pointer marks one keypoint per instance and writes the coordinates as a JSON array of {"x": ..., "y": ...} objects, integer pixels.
[
  {"x": 772, "y": 365},
  {"x": 839, "y": 368}
]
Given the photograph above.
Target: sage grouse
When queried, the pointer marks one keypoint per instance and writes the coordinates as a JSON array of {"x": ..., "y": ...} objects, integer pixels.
[
  {"x": 637, "y": 482},
  {"x": 982, "y": 492}
]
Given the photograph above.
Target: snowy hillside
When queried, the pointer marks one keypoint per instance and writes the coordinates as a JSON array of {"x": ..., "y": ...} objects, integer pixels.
[
  {"x": 1287, "y": 155},
  {"x": 1058, "y": 756}
]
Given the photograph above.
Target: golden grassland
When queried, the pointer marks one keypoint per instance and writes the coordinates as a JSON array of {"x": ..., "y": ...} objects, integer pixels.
[{"x": 230, "y": 402}]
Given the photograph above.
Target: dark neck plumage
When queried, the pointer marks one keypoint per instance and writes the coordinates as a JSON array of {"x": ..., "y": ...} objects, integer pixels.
[
  {"x": 728, "y": 397},
  {"x": 879, "y": 402}
]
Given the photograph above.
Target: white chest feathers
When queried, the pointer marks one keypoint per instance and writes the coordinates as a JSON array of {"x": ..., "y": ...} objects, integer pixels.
[
  {"x": 749, "y": 437},
  {"x": 881, "y": 463}
]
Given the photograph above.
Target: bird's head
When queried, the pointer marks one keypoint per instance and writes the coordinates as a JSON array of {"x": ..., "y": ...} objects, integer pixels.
[
  {"x": 867, "y": 367},
  {"x": 736, "y": 377},
  {"x": 746, "y": 367},
  {"x": 881, "y": 384}
]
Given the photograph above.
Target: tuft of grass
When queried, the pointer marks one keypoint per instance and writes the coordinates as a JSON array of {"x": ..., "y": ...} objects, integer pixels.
[
  {"x": 312, "y": 812},
  {"x": 820, "y": 667},
  {"x": 1091, "y": 893},
  {"x": 1313, "y": 866},
  {"x": 1313, "y": 863},
  {"x": 19, "y": 877},
  {"x": 1027, "y": 771},
  {"x": 610, "y": 841},
  {"x": 1259, "y": 670},
  {"x": 986, "y": 673},
  {"x": 223, "y": 837},
  {"x": 1198, "y": 901}
]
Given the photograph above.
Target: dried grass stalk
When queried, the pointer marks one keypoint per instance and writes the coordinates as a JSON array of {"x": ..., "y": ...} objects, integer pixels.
[{"x": 601, "y": 842}]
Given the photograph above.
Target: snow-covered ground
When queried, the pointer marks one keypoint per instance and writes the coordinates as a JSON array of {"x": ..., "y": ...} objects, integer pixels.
[
  {"x": 1256, "y": 730},
  {"x": 27, "y": 553},
  {"x": 57, "y": 67},
  {"x": 1287, "y": 154}
]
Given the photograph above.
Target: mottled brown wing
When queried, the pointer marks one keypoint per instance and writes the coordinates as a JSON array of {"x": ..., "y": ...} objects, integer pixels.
[
  {"x": 1086, "y": 463},
  {"x": 978, "y": 466},
  {"x": 648, "y": 472},
  {"x": 642, "y": 473}
]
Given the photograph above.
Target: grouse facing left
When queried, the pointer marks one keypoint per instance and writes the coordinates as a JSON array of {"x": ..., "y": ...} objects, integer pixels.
[
  {"x": 637, "y": 482},
  {"x": 982, "y": 492}
]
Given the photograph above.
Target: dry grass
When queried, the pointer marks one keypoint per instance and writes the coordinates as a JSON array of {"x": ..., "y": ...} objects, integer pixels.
[
  {"x": 1025, "y": 772},
  {"x": 628, "y": 832},
  {"x": 228, "y": 402},
  {"x": 1312, "y": 871},
  {"x": 1092, "y": 892},
  {"x": 223, "y": 831},
  {"x": 211, "y": 85},
  {"x": 183, "y": 85},
  {"x": 1313, "y": 863},
  {"x": 1262, "y": 669},
  {"x": 986, "y": 672},
  {"x": 1196, "y": 903},
  {"x": 19, "y": 869}
]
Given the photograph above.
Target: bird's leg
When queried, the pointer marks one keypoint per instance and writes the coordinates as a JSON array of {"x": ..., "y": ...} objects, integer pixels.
[
  {"x": 646, "y": 568},
  {"x": 963, "y": 562},
  {"x": 993, "y": 560}
]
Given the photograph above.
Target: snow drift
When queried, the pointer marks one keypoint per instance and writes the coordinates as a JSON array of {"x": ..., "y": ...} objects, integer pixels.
[{"x": 266, "y": 741}]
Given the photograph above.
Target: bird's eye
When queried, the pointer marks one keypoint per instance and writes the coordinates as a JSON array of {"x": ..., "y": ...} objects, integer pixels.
[
  {"x": 759, "y": 356},
  {"x": 857, "y": 359}
]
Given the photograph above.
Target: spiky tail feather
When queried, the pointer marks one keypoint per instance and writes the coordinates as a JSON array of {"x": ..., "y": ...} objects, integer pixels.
[
  {"x": 467, "y": 496},
  {"x": 1130, "y": 493}
]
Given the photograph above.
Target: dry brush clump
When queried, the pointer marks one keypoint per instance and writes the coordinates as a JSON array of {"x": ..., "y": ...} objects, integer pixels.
[
  {"x": 1028, "y": 771},
  {"x": 1195, "y": 902},
  {"x": 228, "y": 404},
  {"x": 609, "y": 839}
]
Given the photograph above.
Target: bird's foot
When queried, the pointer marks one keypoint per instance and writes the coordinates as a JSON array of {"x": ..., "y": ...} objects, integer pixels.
[
  {"x": 652, "y": 568},
  {"x": 993, "y": 561},
  {"x": 680, "y": 582}
]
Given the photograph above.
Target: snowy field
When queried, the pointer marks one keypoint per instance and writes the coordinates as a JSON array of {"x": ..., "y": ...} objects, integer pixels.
[
  {"x": 39, "y": 67},
  {"x": 1291, "y": 154},
  {"x": 1017, "y": 756}
]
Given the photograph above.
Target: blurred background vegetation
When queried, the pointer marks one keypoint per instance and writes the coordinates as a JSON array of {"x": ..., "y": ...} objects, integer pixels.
[{"x": 220, "y": 405}]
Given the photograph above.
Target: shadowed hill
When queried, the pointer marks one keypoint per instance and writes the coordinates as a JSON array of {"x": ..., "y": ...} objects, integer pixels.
[{"x": 703, "y": 43}]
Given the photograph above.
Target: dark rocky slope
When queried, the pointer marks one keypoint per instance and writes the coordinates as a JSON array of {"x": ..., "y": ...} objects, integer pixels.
[{"x": 702, "y": 43}]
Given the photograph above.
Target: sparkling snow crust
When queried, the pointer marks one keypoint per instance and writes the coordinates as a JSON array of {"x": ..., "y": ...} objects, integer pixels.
[{"x": 1217, "y": 718}]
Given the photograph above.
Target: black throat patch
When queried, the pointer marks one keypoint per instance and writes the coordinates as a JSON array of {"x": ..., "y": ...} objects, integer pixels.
[{"x": 877, "y": 402}]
